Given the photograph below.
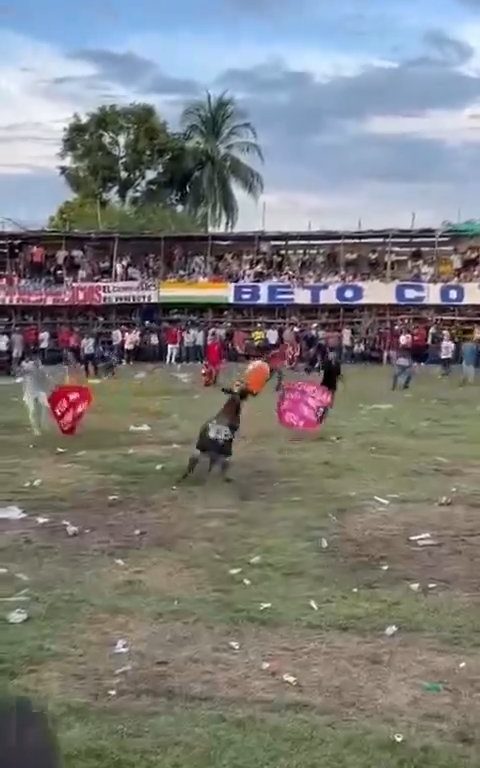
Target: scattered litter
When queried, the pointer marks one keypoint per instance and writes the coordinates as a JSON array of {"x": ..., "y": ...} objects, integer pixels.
[
  {"x": 355, "y": 589},
  {"x": 122, "y": 670},
  {"x": 265, "y": 666},
  {"x": 372, "y": 448},
  {"x": 398, "y": 737},
  {"x": 80, "y": 453},
  {"x": 140, "y": 375},
  {"x": 112, "y": 692},
  {"x": 462, "y": 665},
  {"x": 290, "y": 679},
  {"x": 36, "y": 483},
  {"x": 247, "y": 582},
  {"x": 27, "y": 484},
  {"x": 159, "y": 467},
  {"x": 427, "y": 543},
  {"x": 113, "y": 498},
  {"x": 11, "y": 513},
  {"x": 71, "y": 530},
  {"x": 140, "y": 428},
  {"x": 17, "y": 617},
  {"x": 234, "y": 645},
  {"x": 384, "y": 567},
  {"x": 381, "y": 501},
  {"x": 391, "y": 630},
  {"x": 432, "y": 585},
  {"x": 121, "y": 646},
  {"x": 420, "y": 537},
  {"x": 423, "y": 540},
  {"x": 323, "y": 543},
  {"x": 444, "y": 501},
  {"x": 94, "y": 381},
  {"x": 130, "y": 451},
  {"x": 393, "y": 495},
  {"x": 432, "y": 687},
  {"x": 61, "y": 450},
  {"x": 235, "y": 571},
  {"x": 441, "y": 460},
  {"x": 313, "y": 605},
  {"x": 378, "y": 407},
  {"x": 42, "y": 520},
  {"x": 265, "y": 606},
  {"x": 255, "y": 560},
  {"x": 3, "y": 571},
  {"x": 414, "y": 587},
  {"x": 175, "y": 445},
  {"x": 22, "y": 577},
  {"x": 138, "y": 532},
  {"x": 119, "y": 562},
  {"x": 453, "y": 490},
  {"x": 21, "y": 597}
]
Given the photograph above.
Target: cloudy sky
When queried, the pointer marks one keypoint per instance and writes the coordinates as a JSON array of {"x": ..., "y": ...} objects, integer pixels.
[{"x": 365, "y": 108}]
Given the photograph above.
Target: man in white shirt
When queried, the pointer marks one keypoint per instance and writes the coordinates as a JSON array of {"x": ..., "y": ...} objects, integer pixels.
[
  {"x": 199, "y": 346},
  {"x": 189, "y": 345},
  {"x": 88, "y": 351},
  {"x": 272, "y": 337},
  {"x": 18, "y": 348},
  {"x": 447, "y": 352},
  {"x": 43, "y": 344},
  {"x": 130, "y": 346},
  {"x": 347, "y": 344},
  {"x": 117, "y": 339},
  {"x": 34, "y": 381},
  {"x": 4, "y": 343}
]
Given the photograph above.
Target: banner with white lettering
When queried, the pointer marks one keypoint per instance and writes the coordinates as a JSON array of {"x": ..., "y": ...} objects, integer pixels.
[
  {"x": 129, "y": 293},
  {"x": 350, "y": 294}
]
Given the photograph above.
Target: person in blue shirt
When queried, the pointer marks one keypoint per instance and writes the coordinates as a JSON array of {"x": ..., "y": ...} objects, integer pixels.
[{"x": 469, "y": 361}]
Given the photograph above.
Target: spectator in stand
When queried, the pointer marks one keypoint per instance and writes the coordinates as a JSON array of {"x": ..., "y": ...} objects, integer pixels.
[{"x": 173, "y": 337}]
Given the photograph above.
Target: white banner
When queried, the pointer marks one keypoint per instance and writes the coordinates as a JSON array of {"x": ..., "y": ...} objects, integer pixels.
[
  {"x": 351, "y": 294},
  {"x": 128, "y": 293}
]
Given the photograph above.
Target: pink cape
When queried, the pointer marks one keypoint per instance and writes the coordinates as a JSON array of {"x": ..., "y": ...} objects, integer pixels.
[{"x": 302, "y": 405}]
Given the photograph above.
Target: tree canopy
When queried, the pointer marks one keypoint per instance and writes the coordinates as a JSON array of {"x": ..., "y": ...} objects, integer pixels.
[
  {"x": 83, "y": 215},
  {"x": 124, "y": 163}
]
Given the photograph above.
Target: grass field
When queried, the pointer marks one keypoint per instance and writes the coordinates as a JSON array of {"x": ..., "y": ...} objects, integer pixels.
[{"x": 214, "y": 587}]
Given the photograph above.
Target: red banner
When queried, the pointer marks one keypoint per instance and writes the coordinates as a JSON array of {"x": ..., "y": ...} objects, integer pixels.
[{"x": 26, "y": 293}]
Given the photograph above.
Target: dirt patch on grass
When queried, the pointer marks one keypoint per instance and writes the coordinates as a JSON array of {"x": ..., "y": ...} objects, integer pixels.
[
  {"x": 350, "y": 677},
  {"x": 382, "y": 536}
]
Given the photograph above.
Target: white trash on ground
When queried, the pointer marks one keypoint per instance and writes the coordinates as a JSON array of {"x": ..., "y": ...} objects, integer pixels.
[
  {"x": 17, "y": 617},
  {"x": 11, "y": 513},
  {"x": 290, "y": 679},
  {"x": 391, "y": 630},
  {"x": 121, "y": 646},
  {"x": 140, "y": 428}
]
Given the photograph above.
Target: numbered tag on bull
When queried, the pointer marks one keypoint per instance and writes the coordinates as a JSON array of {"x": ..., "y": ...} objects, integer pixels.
[{"x": 219, "y": 433}]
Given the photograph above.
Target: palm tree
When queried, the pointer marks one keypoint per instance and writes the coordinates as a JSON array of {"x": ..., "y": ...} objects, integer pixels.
[{"x": 218, "y": 136}]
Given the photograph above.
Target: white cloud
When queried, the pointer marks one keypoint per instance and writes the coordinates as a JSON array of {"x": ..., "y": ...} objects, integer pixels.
[{"x": 453, "y": 127}]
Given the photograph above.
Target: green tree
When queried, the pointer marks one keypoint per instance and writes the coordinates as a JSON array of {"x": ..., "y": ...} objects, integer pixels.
[
  {"x": 112, "y": 153},
  {"x": 218, "y": 138},
  {"x": 81, "y": 215}
]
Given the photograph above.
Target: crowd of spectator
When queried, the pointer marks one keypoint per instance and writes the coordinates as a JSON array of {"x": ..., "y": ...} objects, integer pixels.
[
  {"x": 294, "y": 265},
  {"x": 174, "y": 342}
]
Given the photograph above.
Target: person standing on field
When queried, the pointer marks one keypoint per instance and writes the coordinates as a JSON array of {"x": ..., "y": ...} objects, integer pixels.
[
  {"x": 469, "y": 361},
  {"x": 447, "y": 351}
]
